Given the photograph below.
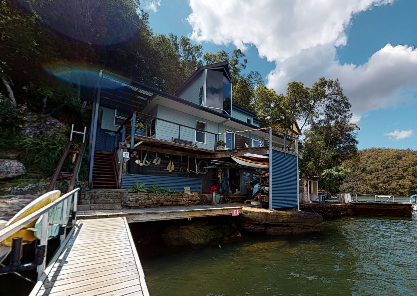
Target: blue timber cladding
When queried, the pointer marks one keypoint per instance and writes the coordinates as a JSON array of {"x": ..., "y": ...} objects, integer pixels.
[
  {"x": 192, "y": 92},
  {"x": 241, "y": 116},
  {"x": 167, "y": 131},
  {"x": 167, "y": 182},
  {"x": 105, "y": 140},
  {"x": 284, "y": 180}
]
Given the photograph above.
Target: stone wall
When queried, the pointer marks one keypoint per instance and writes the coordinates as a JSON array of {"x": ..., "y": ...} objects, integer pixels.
[
  {"x": 273, "y": 222},
  {"x": 151, "y": 200},
  {"x": 116, "y": 199}
]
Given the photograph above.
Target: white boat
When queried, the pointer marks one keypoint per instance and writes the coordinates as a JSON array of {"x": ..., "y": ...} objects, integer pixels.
[{"x": 251, "y": 163}]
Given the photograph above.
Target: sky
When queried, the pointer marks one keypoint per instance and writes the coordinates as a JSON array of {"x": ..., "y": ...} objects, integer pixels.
[{"x": 369, "y": 45}]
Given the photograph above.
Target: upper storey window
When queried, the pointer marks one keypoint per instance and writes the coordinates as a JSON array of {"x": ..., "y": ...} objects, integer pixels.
[{"x": 218, "y": 92}]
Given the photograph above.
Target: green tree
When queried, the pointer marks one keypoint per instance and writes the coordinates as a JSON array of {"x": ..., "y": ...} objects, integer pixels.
[
  {"x": 331, "y": 179},
  {"x": 331, "y": 138}
]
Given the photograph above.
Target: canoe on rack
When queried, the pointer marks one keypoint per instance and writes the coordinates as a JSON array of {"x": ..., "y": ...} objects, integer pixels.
[{"x": 250, "y": 162}]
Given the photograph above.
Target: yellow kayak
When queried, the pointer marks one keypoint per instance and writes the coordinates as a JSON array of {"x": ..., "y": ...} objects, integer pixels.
[{"x": 28, "y": 235}]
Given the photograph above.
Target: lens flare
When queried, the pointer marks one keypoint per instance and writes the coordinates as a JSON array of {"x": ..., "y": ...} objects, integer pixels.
[{"x": 86, "y": 75}]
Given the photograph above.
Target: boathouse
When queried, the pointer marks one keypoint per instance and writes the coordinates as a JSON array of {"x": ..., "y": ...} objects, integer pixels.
[{"x": 197, "y": 140}]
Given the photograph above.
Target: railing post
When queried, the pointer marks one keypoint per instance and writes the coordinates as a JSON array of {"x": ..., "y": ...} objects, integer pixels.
[
  {"x": 64, "y": 219},
  {"x": 179, "y": 134},
  {"x": 216, "y": 136},
  {"x": 285, "y": 142},
  {"x": 43, "y": 242},
  {"x": 233, "y": 142},
  {"x": 250, "y": 141},
  {"x": 74, "y": 208},
  {"x": 132, "y": 136},
  {"x": 124, "y": 133}
]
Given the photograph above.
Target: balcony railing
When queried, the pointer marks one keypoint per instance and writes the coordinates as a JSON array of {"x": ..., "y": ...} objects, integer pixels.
[{"x": 159, "y": 128}]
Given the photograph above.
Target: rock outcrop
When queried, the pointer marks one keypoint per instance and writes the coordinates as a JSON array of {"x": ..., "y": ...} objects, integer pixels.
[
  {"x": 10, "y": 168},
  {"x": 272, "y": 222}
]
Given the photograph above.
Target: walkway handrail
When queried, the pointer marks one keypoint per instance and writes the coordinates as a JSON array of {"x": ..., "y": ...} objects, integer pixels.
[
  {"x": 9, "y": 230},
  {"x": 13, "y": 228}
]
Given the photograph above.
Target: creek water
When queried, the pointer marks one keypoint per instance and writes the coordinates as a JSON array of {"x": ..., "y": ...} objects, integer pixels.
[{"x": 353, "y": 256}]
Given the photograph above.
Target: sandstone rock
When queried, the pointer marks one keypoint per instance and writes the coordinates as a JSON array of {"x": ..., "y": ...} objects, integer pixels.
[
  {"x": 273, "y": 222},
  {"x": 36, "y": 125},
  {"x": 10, "y": 168}
]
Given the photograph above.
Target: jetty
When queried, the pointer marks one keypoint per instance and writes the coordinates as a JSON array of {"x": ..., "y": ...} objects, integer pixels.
[{"x": 97, "y": 258}]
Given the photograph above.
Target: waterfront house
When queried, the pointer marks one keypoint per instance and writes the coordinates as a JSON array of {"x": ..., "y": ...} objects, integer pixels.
[{"x": 140, "y": 134}]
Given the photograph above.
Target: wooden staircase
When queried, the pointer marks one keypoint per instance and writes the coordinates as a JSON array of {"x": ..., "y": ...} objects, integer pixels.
[{"x": 104, "y": 171}]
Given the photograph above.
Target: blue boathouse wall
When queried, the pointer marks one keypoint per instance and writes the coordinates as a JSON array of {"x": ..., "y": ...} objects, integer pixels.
[
  {"x": 167, "y": 182},
  {"x": 284, "y": 180}
]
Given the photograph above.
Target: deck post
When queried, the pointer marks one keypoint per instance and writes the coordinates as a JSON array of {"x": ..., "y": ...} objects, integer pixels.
[{"x": 132, "y": 136}]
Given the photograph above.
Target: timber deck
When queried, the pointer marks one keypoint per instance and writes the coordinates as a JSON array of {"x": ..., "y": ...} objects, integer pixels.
[
  {"x": 97, "y": 258},
  {"x": 164, "y": 213}
]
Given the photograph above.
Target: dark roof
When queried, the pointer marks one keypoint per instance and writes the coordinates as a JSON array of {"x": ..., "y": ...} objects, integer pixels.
[
  {"x": 134, "y": 96},
  {"x": 243, "y": 110},
  {"x": 223, "y": 66}
]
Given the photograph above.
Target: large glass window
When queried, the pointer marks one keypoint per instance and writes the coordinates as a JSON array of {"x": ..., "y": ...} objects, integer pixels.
[
  {"x": 200, "y": 137},
  {"x": 227, "y": 96},
  {"x": 218, "y": 92}
]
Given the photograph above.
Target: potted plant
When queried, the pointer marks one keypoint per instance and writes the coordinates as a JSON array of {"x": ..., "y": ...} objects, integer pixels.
[{"x": 220, "y": 144}]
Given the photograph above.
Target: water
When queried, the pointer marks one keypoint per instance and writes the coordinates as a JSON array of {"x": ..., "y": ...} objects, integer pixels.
[{"x": 353, "y": 256}]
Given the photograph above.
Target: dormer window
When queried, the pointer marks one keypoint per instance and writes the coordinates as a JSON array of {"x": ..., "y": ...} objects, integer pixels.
[
  {"x": 218, "y": 92},
  {"x": 200, "y": 97}
]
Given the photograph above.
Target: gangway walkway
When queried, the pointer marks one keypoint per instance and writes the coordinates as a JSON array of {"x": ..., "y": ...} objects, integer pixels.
[{"x": 98, "y": 257}]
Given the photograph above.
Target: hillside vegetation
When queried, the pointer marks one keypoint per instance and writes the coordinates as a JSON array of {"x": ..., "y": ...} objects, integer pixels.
[{"x": 382, "y": 171}]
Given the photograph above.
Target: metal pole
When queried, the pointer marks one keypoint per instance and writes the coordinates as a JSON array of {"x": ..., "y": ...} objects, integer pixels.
[
  {"x": 250, "y": 141},
  {"x": 270, "y": 168},
  {"x": 298, "y": 177},
  {"x": 132, "y": 136},
  {"x": 94, "y": 129}
]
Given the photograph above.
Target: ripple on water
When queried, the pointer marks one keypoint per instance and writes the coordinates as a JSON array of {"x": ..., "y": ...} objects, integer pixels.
[{"x": 351, "y": 257}]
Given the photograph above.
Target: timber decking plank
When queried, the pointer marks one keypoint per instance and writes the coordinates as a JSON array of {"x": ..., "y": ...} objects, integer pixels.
[{"x": 99, "y": 258}]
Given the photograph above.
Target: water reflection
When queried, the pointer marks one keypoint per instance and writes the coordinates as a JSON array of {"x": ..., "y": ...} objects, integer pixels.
[{"x": 351, "y": 257}]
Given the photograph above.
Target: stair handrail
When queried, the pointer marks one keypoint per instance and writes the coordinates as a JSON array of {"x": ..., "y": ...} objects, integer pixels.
[{"x": 59, "y": 167}]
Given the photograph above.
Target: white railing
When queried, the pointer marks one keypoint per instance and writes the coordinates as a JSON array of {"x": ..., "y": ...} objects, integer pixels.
[{"x": 70, "y": 197}]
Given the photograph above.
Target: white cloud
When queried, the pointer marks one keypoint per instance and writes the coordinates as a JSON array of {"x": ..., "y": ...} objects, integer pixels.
[
  {"x": 400, "y": 134},
  {"x": 152, "y": 5},
  {"x": 355, "y": 118},
  {"x": 302, "y": 37}
]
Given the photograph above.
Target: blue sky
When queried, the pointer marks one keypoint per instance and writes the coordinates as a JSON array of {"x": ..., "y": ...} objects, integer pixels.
[{"x": 368, "y": 44}]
